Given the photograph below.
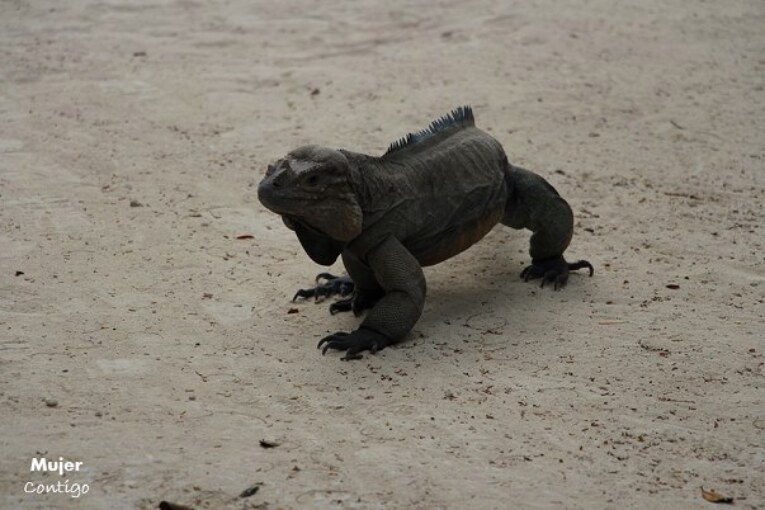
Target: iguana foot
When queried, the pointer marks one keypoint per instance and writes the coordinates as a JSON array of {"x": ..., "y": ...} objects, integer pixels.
[
  {"x": 553, "y": 270},
  {"x": 354, "y": 343},
  {"x": 361, "y": 300},
  {"x": 342, "y": 285}
]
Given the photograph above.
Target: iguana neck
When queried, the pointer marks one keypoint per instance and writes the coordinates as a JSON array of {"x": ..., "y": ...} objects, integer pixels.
[
  {"x": 380, "y": 185},
  {"x": 368, "y": 176}
]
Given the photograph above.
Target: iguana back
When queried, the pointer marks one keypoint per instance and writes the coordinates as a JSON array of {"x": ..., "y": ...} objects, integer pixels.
[{"x": 438, "y": 191}]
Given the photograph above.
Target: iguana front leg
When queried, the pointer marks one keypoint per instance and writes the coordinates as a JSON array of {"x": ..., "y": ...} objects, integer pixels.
[
  {"x": 534, "y": 204},
  {"x": 394, "y": 315}
]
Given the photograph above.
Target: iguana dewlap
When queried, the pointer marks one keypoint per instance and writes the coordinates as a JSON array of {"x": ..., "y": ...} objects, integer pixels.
[{"x": 432, "y": 195}]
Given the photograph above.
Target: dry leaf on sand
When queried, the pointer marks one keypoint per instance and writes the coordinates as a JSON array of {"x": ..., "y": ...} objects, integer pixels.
[{"x": 715, "y": 497}]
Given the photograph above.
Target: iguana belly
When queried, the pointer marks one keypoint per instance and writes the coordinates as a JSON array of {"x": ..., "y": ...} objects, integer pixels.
[{"x": 446, "y": 244}]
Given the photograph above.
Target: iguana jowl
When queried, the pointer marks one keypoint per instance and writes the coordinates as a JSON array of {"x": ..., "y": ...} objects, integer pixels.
[{"x": 432, "y": 195}]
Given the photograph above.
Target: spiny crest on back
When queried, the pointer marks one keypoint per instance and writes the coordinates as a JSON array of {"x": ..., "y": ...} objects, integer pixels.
[{"x": 459, "y": 117}]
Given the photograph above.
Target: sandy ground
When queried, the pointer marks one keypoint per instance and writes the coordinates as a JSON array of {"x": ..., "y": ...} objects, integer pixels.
[{"x": 151, "y": 345}]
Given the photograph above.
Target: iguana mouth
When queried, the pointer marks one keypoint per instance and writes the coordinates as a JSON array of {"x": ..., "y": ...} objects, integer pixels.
[
  {"x": 292, "y": 204},
  {"x": 269, "y": 196}
]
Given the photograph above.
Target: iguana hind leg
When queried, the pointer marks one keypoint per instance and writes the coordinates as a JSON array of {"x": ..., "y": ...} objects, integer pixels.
[{"x": 534, "y": 204}]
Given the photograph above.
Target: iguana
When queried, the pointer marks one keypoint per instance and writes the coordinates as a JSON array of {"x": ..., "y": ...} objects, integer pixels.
[{"x": 432, "y": 195}]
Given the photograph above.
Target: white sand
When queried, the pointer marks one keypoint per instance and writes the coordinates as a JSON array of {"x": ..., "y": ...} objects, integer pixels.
[{"x": 617, "y": 392}]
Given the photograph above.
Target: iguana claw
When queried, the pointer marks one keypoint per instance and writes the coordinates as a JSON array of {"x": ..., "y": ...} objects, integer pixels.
[
  {"x": 553, "y": 271},
  {"x": 341, "y": 305},
  {"x": 354, "y": 343}
]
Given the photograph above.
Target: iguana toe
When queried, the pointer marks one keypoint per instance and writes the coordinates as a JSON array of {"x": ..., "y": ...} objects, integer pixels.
[
  {"x": 342, "y": 285},
  {"x": 554, "y": 270},
  {"x": 532, "y": 272},
  {"x": 354, "y": 343},
  {"x": 557, "y": 277},
  {"x": 362, "y": 299},
  {"x": 341, "y": 305},
  {"x": 581, "y": 264}
]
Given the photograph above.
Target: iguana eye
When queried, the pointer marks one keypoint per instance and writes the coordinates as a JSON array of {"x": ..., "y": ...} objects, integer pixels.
[{"x": 312, "y": 180}]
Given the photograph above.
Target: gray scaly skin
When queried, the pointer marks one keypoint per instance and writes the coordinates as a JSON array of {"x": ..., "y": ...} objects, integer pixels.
[{"x": 432, "y": 195}]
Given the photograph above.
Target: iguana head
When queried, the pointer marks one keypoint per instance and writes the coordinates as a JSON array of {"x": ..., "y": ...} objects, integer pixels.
[{"x": 314, "y": 186}]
